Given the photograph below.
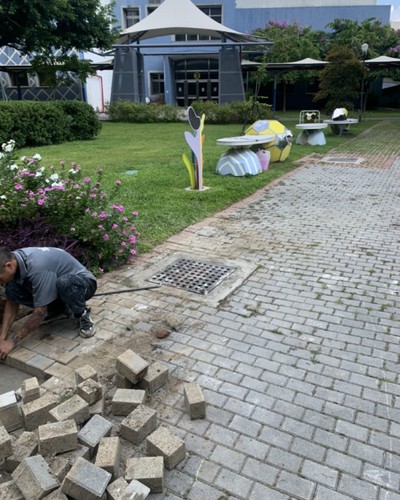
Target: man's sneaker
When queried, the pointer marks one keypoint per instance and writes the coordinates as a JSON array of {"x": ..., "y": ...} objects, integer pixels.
[{"x": 86, "y": 325}]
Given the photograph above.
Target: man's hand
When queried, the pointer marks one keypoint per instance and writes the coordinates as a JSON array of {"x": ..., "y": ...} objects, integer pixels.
[{"x": 6, "y": 346}]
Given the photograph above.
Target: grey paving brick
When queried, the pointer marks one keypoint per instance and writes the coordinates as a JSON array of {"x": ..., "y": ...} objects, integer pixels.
[
  {"x": 319, "y": 420},
  {"x": 262, "y": 472},
  {"x": 233, "y": 390},
  {"x": 331, "y": 440},
  {"x": 226, "y": 457},
  {"x": 381, "y": 477},
  {"x": 344, "y": 462},
  {"x": 259, "y": 399},
  {"x": 252, "y": 447},
  {"x": 311, "y": 402},
  {"x": 371, "y": 422},
  {"x": 308, "y": 449},
  {"x": 245, "y": 426},
  {"x": 323, "y": 493},
  {"x": 239, "y": 407},
  {"x": 272, "y": 436},
  {"x": 178, "y": 483},
  {"x": 234, "y": 483},
  {"x": 357, "y": 488},
  {"x": 339, "y": 411},
  {"x": 284, "y": 460},
  {"x": 200, "y": 491},
  {"x": 199, "y": 468},
  {"x": 295, "y": 485},
  {"x": 259, "y": 491},
  {"x": 320, "y": 473},
  {"x": 289, "y": 409},
  {"x": 366, "y": 452},
  {"x": 222, "y": 435},
  {"x": 351, "y": 430},
  {"x": 218, "y": 415}
]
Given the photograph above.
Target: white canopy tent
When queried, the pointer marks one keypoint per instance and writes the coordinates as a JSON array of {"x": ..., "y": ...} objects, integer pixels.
[
  {"x": 175, "y": 17},
  {"x": 181, "y": 17}
]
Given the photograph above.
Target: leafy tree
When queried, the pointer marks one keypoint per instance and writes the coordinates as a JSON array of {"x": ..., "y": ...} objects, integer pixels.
[
  {"x": 381, "y": 38},
  {"x": 339, "y": 81},
  {"x": 291, "y": 42},
  {"x": 52, "y": 32}
]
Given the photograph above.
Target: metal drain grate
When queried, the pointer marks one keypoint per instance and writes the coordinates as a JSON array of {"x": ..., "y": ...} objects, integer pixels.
[
  {"x": 192, "y": 275},
  {"x": 340, "y": 159}
]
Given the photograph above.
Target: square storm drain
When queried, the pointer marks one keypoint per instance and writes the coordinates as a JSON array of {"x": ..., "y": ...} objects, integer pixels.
[{"x": 192, "y": 275}]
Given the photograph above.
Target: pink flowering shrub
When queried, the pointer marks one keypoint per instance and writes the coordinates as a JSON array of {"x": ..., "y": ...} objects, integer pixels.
[{"x": 76, "y": 205}]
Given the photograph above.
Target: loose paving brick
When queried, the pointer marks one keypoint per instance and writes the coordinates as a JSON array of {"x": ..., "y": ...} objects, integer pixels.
[
  {"x": 138, "y": 424},
  {"x": 37, "y": 412},
  {"x": 90, "y": 390},
  {"x": 131, "y": 366},
  {"x": 108, "y": 455},
  {"x": 6, "y": 448},
  {"x": 59, "y": 467},
  {"x": 85, "y": 372},
  {"x": 194, "y": 400},
  {"x": 155, "y": 377},
  {"x": 74, "y": 408},
  {"x": 58, "y": 437},
  {"x": 94, "y": 430},
  {"x": 25, "y": 446},
  {"x": 147, "y": 470},
  {"x": 85, "y": 480},
  {"x": 125, "y": 401},
  {"x": 10, "y": 491},
  {"x": 30, "y": 390},
  {"x": 10, "y": 416},
  {"x": 33, "y": 478},
  {"x": 116, "y": 489},
  {"x": 163, "y": 443}
]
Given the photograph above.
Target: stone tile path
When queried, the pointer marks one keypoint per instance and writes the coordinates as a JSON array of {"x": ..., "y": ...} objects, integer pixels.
[{"x": 299, "y": 362}]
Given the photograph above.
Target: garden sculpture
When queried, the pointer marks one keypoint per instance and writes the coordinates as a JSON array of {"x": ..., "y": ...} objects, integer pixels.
[{"x": 195, "y": 142}]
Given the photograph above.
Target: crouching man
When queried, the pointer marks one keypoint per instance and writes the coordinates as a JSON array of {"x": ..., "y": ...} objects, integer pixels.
[{"x": 50, "y": 281}]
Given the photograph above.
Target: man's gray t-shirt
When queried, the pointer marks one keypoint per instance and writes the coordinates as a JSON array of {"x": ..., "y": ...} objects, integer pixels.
[{"x": 41, "y": 266}]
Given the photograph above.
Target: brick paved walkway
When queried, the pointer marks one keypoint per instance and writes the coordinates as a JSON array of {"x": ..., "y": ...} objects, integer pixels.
[{"x": 300, "y": 362}]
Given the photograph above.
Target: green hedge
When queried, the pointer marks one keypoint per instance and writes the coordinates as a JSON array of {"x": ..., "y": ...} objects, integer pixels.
[
  {"x": 32, "y": 123},
  {"x": 236, "y": 112},
  {"x": 133, "y": 112}
]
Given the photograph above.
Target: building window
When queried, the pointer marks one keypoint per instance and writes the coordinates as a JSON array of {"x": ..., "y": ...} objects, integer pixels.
[
  {"x": 131, "y": 16},
  {"x": 213, "y": 11},
  {"x": 156, "y": 83},
  {"x": 19, "y": 78}
]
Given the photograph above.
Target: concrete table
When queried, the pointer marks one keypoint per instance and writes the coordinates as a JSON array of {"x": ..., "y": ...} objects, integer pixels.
[
  {"x": 240, "y": 160},
  {"x": 244, "y": 141},
  {"x": 311, "y": 133},
  {"x": 337, "y": 126}
]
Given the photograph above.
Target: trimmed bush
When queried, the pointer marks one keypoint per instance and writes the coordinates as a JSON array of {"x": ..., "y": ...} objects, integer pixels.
[
  {"x": 32, "y": 123},
  {"x": 234, "y": 112},
  {"x": 133, "y": 112},
  {"x": 83, "y": 123}
]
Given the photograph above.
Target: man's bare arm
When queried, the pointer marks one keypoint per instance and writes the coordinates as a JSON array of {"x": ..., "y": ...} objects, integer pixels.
[
  {"x": 10, "y": 313},
  {"x": 32, "y": 322}
]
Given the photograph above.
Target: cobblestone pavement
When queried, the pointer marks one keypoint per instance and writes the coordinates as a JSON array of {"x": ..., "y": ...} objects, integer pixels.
[{"x": 299, "y": 360}]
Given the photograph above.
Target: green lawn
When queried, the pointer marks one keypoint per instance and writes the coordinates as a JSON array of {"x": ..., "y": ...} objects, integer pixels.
[{"x": 147, "y": 158}]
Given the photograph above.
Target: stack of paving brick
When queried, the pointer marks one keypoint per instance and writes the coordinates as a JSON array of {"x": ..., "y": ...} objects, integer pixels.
[{"x": 68, "y": 449}]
